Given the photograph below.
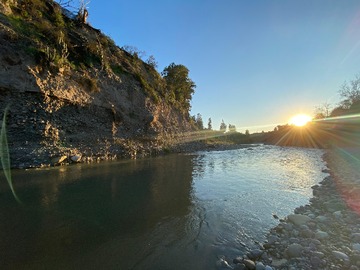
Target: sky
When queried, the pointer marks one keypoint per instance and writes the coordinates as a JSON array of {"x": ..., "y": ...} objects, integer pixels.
[{"x": 255, "y": 63}]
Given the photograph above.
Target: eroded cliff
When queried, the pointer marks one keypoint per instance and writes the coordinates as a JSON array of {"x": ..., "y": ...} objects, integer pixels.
[{"x": 73, "y": 93}]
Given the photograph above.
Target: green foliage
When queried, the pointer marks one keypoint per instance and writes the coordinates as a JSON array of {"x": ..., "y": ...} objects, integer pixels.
[
  {"x": 5, "y": 156},
  {"x": 179, "y": 86},
  {"x": 148, "y": 88},
  {"x": 117, "y": 69}
]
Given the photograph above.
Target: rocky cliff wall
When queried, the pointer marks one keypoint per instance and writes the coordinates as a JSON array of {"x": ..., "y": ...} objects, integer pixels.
[{"x": 84, "y": 98}]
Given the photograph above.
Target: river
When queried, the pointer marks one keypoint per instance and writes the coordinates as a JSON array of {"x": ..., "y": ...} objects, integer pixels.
[{"x": 179, "y": 211}]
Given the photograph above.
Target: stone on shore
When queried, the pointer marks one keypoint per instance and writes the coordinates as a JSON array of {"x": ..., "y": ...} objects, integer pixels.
[
  {"x": 249, "y": 264},
  {"x": 58, "y": 160},
  {"x": 298, "y": 219},
  {"x": 340, "y": 256},
  {"x": 294, "y": 251},
  {"x": 76, "y": 158}
]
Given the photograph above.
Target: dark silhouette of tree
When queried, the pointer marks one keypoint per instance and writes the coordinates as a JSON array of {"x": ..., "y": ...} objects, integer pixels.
[
  {"x": 209, "y": 124},
  {"x": 323, "y": 111},
  {"x": 223, "y": 126},
  {"x": 350, "y": 92},
  {"x": 199, "y": 122},
  {"x": 232, "y": 128}
]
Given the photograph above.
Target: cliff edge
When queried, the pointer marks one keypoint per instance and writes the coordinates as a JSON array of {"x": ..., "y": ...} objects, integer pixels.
[{"x": 73, "y": 95}]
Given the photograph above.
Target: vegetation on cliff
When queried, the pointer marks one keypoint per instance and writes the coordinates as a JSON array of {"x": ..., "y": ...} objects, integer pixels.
[{"x": 74, "y": 92}]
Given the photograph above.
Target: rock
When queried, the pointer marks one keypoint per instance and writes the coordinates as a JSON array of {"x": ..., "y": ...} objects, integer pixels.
[
  {"x": 340, "y": 256},
  {"x": 255, "y": 254},
  {"x": 321, "y": 219},
  {"x": 260, "y": 266},
  {"x": 249, "y": 264},
  {"x": 315, "y": 262},
  {"x": 320, "y": 235},
  {"x": 294, "y": 250},
  {"x": 76, "y": 158},
  {"x": 355, "y": 237},
  {"x": 298, "y": 219},
  {"x": 356, "y": 246},
  {"x": 338, "y": 214},
  {"x": 272, "y": 239},
  {"x": 58, "y": 160},
  {"x": 334, "y": 206},
  {"x": 221, "y": 263},
  {"x": 238, "y": 260},
  {"x": 268, "y": 267},
  {"x": 278, "y": 263}
]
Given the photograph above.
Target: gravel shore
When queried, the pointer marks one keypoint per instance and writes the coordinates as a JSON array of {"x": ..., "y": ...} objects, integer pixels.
[{"x": 324, "y": 234}]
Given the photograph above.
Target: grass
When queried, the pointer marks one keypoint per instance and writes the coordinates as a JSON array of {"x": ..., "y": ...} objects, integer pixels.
[{"x": 5, "y": 156}]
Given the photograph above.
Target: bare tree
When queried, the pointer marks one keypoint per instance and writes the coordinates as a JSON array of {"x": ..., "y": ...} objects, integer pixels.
[
  {"x": 323, "y": 110},
  {"x": 350, "y": 93}
]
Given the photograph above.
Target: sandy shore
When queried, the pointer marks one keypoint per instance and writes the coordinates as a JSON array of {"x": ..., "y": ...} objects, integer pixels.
[{"x": 324, "y": 234}]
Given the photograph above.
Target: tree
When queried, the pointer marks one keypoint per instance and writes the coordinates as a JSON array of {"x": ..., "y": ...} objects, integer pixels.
[
  {"x": 179, "y": 85},
  {"x": 152, "y": 61},
  {"x": 247, "y": 133},
  {"x": 350, "y": 93},
  {"x": 223, "y": 126},
  {"x": 199, "y": 122},
  {"x": 323, "y": 111},
  {"x": 232, "y": 128},
  {"x": 209, "y": 124},
  {"x": 134, "y": 51}
]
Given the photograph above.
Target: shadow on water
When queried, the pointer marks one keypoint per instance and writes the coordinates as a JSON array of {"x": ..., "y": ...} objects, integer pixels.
[
  {"x": 105, "y": 216},
  {"x": 172, "y": 212}
]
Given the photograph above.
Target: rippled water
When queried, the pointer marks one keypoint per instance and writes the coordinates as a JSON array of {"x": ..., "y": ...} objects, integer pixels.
[{"x": 171, "y": 212}]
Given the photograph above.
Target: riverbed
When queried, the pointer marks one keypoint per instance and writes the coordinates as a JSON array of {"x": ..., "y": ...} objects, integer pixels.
[{"x": 180, "y": 211}]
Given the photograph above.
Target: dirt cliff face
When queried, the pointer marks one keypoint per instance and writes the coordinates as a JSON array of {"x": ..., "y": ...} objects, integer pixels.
[{"x": 72, "y": 92}]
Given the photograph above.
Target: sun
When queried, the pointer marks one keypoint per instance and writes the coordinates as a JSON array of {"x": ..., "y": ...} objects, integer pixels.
[{"x": 300, "y": 120}]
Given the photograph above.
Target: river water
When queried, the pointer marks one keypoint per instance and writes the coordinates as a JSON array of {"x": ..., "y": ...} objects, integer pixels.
[{"x": 172, "y": 212}]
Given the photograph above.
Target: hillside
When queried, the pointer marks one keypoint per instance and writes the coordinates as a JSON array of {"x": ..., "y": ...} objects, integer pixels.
[{"x": 73, "y": 93}]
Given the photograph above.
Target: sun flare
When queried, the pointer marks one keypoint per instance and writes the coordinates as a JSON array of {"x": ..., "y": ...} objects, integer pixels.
[{"x": 300, "y": 120}]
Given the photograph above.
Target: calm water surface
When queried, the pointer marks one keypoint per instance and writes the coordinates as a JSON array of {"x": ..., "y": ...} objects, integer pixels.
[{"x": 172, "y": 212}]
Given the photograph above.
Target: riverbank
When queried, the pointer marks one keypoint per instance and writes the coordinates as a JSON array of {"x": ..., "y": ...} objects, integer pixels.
[
  {"x": 323, "y": 234},
  {"x": 42, "y": 156}
]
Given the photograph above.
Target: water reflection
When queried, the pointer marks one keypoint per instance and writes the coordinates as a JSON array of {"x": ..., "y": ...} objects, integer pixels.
[
  {"x": 74, "y": 211},
  {"x": 173, "y": 212}
]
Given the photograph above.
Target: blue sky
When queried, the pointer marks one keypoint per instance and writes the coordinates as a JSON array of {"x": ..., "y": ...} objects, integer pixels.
[{"x": 256, "y": 63}]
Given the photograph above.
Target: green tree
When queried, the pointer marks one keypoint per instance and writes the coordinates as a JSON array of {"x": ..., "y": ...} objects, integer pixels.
[{"x": 179, "y": 86}]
